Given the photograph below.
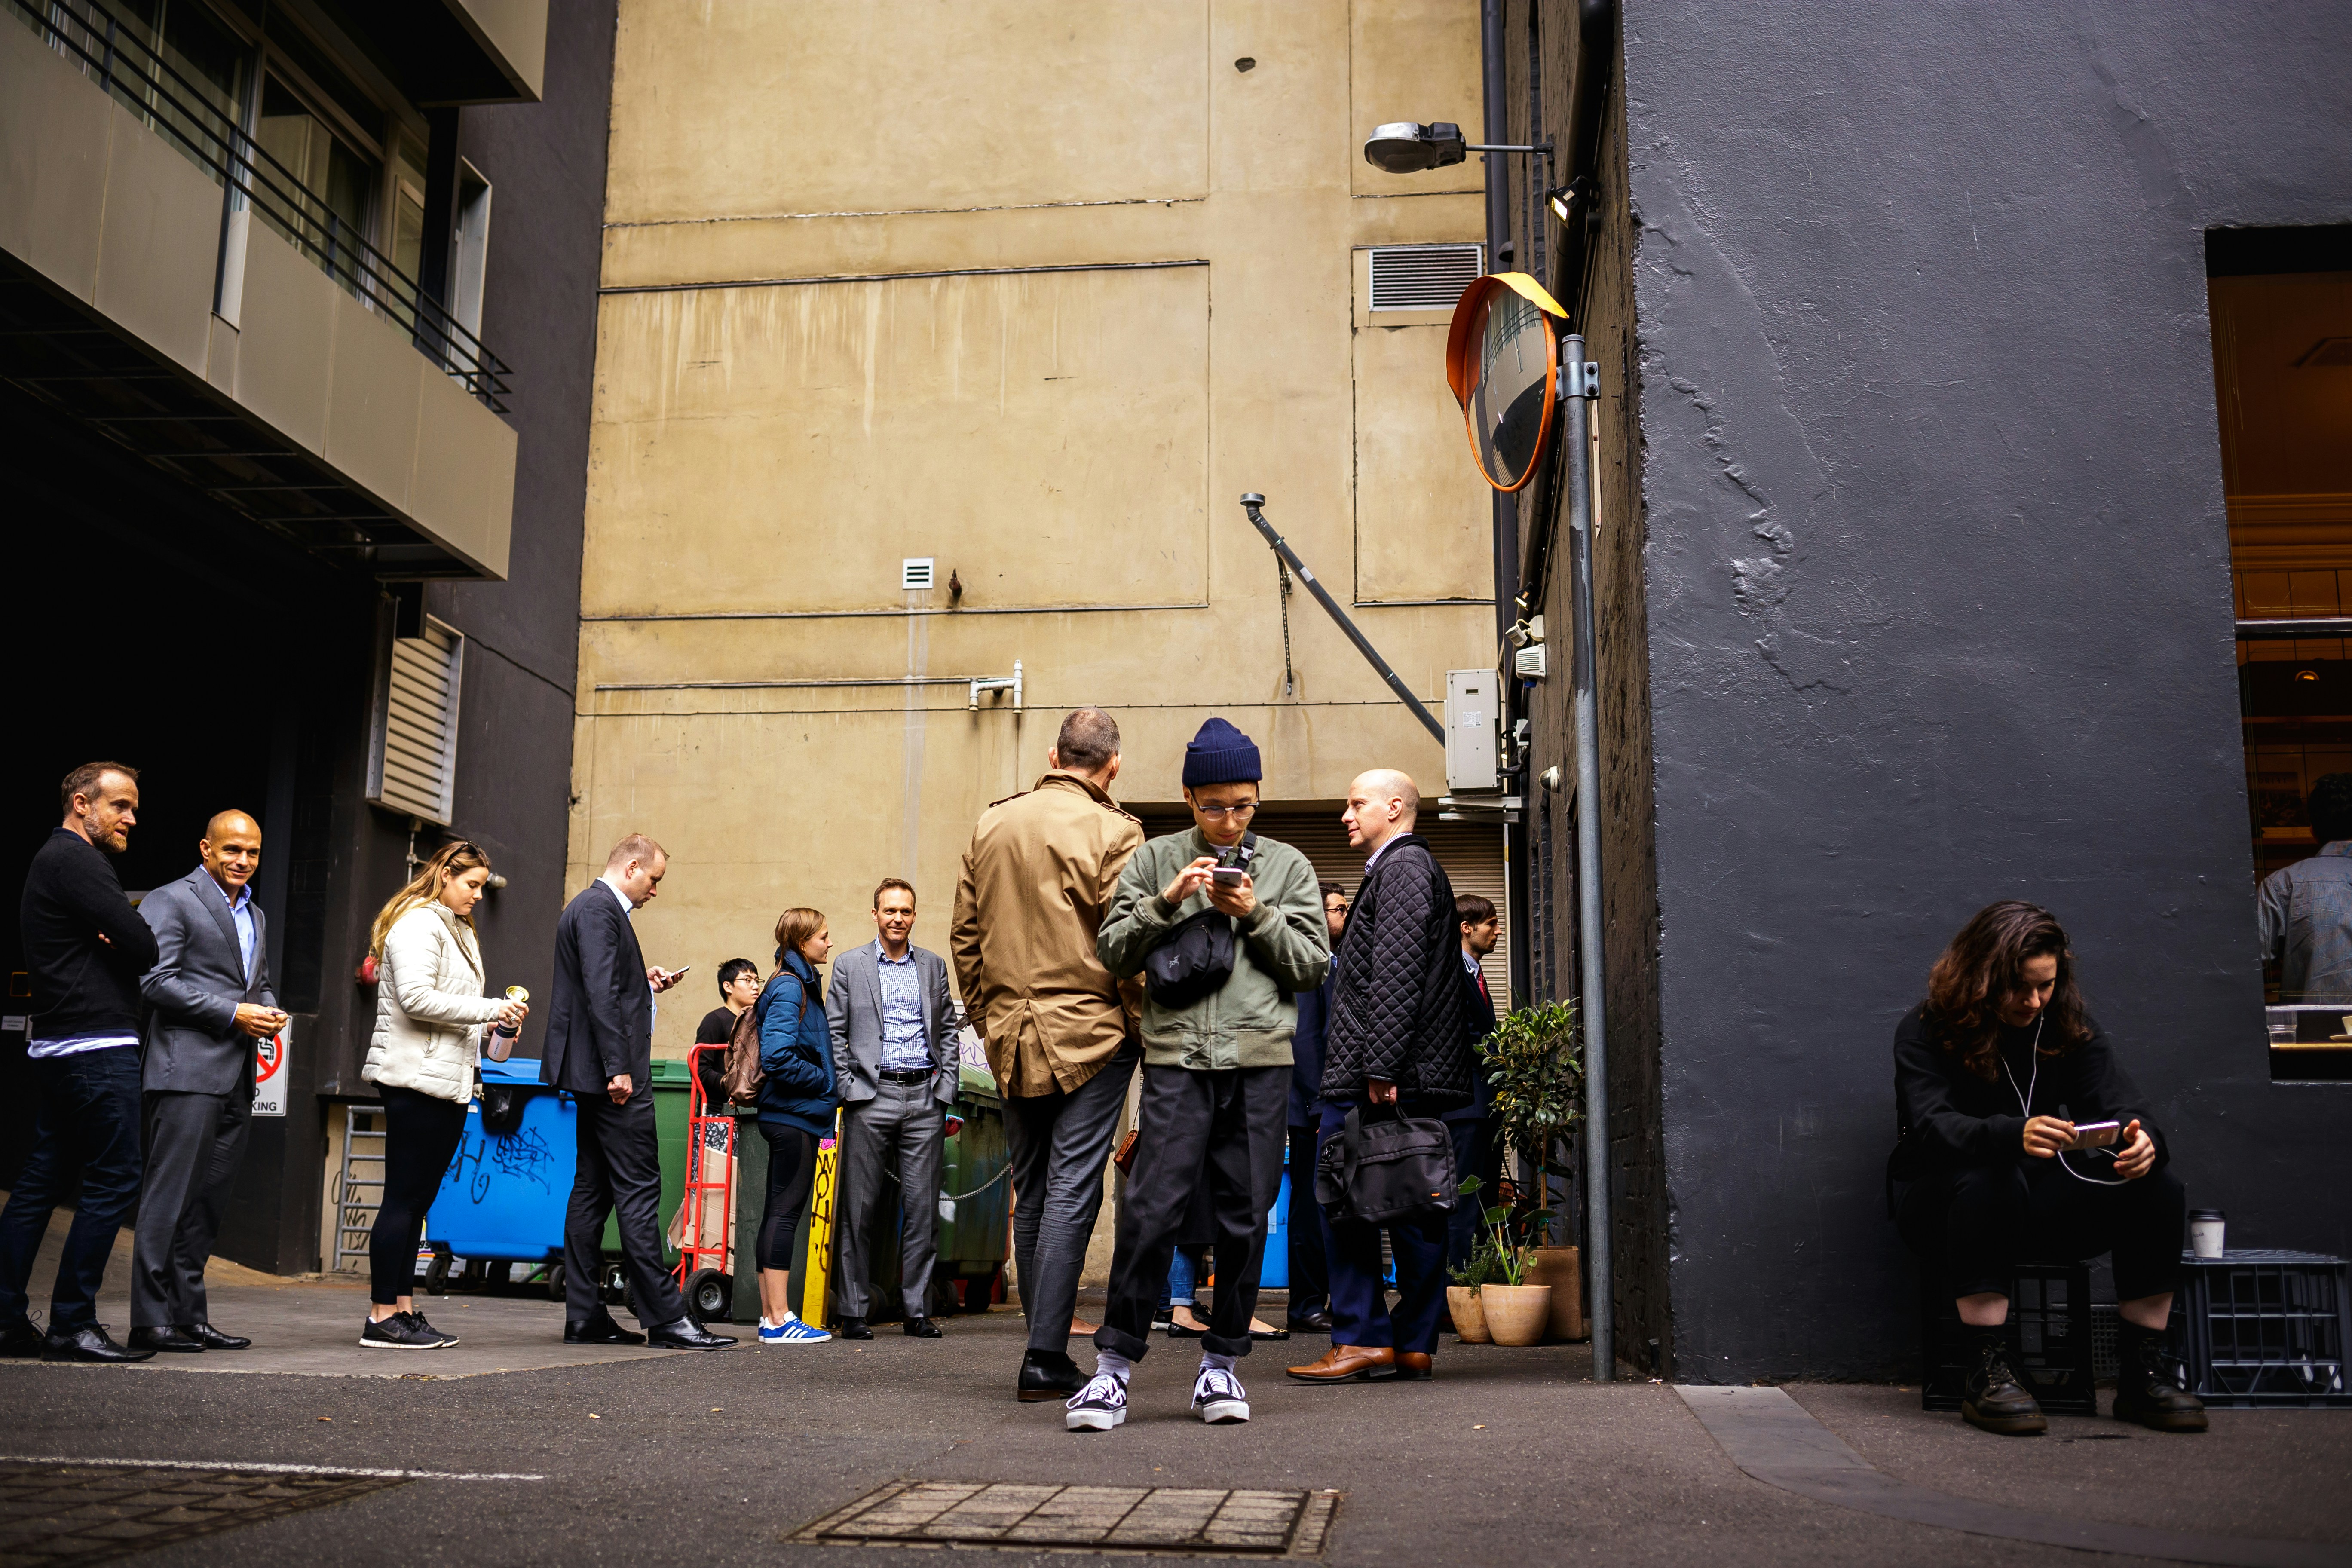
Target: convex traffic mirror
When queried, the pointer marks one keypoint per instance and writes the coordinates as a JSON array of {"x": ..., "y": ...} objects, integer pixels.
[{"x": 1502, "y": 359}]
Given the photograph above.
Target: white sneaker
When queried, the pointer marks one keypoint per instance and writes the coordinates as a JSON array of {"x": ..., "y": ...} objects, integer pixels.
[
  {"x": 1101, "y": 1406},
  {"x": 1218, "y": 1398}
]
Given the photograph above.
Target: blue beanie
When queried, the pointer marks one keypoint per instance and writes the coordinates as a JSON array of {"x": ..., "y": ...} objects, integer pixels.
[{"x": 1220, "y": 754}]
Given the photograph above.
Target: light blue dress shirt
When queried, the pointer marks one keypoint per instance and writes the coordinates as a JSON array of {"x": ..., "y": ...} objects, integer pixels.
[
  {"x": 240, "y": 914},
  {"x": 904, "y": 1048}
]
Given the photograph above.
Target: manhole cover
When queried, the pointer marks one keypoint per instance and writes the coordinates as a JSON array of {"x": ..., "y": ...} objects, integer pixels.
[
  {"x": 89, "y": 1513},
  {"x": 1202, "y": 1520}
]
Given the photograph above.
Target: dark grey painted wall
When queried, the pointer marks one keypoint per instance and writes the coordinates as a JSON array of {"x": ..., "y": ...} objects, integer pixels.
[{"x": 1938, "y": 594}]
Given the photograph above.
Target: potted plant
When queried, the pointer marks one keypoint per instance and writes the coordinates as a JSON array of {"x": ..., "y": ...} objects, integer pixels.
[
  {"x": 1514, "y": 1311},
  {"x": 1462, "y": 1302},
  {"x": 1534, "y": 1063}
]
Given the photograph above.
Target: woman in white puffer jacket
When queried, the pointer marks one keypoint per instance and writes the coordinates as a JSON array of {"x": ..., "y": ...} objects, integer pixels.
[{"x": 429, "y": 1016}]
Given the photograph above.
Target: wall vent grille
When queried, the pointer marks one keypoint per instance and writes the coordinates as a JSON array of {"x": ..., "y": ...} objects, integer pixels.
[
  {"x": 915, "y": 572},
  {"x": 413, "y": 766},
  {"x": 1423, "y": 277}
]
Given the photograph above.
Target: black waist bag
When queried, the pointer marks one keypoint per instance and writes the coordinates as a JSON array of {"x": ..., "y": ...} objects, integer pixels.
[
  {"x": 1194, "y": 959},
  {"x": 1385, "y": 1171}
]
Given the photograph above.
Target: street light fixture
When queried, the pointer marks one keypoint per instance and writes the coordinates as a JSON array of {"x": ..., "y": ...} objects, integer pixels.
[{"x": 1408, "y": 147}]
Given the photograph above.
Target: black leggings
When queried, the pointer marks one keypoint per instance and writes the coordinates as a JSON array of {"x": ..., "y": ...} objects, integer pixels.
[
  {"x": 1977, "y": 1224},
  {"x": 421, "y": 1134},
  {"x": 792, "y": 1166}
]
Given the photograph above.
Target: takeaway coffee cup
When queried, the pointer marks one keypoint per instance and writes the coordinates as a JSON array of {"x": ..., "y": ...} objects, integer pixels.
[{"x": 2205, "y": 1232}]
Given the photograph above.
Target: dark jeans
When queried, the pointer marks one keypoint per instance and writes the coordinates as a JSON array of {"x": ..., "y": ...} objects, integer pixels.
[
  {"x": 1221, "y": 1129},
  {"x": 195, "y": 1145},
  {"x": 1474, "y": 1149},
  {"x": 791, "y": 1168},
  {"x": 1360, "y": 1300},
  {"x": 1976, "y": 1223},
  {"x": 619, "y": 1168},
  {"x": 421, "y": 1133},
  {"x": 1310, "y": 1239},
  {"x": 87, "y": 1118}
]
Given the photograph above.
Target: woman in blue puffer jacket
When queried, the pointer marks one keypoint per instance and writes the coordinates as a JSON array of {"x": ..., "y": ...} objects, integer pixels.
[{"x": 796, "y": 1107}]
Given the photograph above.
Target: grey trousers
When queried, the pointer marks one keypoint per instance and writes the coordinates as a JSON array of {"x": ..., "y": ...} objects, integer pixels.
[
  {"x": 1059, "y": 1145},
  {"x": 195, "y": 1145},
  {"x": 900, "y": 1130}
]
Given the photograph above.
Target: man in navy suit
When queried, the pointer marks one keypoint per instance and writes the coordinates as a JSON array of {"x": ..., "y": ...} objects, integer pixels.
[
  {"x": 1310, "y": 1275},
  {"x": 1474, "y": 1153},
  {"x": 600, "y": 1034}
]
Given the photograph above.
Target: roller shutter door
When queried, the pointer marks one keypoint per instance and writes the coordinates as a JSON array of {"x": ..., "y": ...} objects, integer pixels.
[{"x": 1471, "y": 853}]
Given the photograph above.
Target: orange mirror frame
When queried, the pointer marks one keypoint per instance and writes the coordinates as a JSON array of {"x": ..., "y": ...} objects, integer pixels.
[{"x": 1464, "y": 343}]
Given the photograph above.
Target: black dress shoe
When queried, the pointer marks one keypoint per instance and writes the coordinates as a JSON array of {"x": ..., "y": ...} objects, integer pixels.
[
  {"x": 88, "y": 1343},
  {"x": 1047, "y": 1375},
  {"x": 923, "y": 1329},
  {"x": 212, "y": 1339},
  {"x": 685, "y": 1334},
  {"x": 20, "y": 1339},
  {"x": 1309, "y": 1323},
  {"x": 852, "y": 1329},
  {"x": 166, "y": 1339},
  {"x": 600, "y": 1331}
]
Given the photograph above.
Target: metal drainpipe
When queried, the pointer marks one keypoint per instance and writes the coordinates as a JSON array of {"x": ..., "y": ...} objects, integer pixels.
[
  {"x": 1577, "y": 389},
  {"x": 1496, "y": 80}
]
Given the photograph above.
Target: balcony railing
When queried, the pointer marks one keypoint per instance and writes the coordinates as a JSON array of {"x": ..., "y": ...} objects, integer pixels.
[{"x": 124, "y": 65}]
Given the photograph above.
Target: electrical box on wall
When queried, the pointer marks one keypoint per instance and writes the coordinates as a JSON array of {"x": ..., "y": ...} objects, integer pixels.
[{"x": 1471, "y": 709}]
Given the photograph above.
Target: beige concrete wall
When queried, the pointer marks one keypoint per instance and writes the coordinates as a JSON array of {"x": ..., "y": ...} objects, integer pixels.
[{"x": 1036, "y": 290}]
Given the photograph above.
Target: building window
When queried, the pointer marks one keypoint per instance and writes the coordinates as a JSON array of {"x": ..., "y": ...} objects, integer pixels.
[{"x": 469, "y": 264}]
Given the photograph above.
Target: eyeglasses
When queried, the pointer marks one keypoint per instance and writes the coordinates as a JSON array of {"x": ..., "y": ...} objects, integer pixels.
[{"x": 1222, "y": 812}]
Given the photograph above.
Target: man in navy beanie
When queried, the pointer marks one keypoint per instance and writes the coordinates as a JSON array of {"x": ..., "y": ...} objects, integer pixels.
[{"x": 1248, "y": 915}]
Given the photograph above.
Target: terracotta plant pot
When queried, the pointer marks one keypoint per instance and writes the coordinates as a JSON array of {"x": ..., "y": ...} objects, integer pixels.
[
  {"x": 1469, "y": 1316},
  {"x": 1562, "y": 1268},
  {"x": 1516, "y": 1314}
]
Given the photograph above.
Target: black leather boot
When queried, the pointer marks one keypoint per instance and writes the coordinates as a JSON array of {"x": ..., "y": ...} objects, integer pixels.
[
  {"x": 2146, "y": 1388},
  {"x": 1993, "y": 1397}
]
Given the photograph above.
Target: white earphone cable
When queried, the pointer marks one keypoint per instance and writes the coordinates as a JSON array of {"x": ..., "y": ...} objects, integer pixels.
[{"x": 2025, "y": 1104}]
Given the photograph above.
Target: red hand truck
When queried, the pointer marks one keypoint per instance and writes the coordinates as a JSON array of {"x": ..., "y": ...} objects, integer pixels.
[{"x": 702, "y": 1275}]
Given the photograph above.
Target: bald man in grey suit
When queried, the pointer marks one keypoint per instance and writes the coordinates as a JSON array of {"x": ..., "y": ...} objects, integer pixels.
[{"x": 208, "y": 1002}]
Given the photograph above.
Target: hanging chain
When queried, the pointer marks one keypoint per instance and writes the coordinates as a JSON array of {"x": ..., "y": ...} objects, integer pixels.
[{"x": 1289, "y": 680}]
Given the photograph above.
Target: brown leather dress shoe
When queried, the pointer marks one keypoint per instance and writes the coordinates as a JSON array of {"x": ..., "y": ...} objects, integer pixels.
[
  {"x": 1346, "y": 1363},
  {"x": 1415, "y": 1366}
]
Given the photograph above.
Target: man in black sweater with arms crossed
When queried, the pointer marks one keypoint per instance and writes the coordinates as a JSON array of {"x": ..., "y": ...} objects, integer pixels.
[{"x": 86, "y": 948}]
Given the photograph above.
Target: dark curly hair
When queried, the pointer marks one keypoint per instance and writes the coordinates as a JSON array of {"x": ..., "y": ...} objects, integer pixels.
[{"x": 1985, "y": 963}]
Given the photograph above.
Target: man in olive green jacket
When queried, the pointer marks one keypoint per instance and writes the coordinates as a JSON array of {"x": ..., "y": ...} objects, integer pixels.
[{"x": 1216, "y": 1066}]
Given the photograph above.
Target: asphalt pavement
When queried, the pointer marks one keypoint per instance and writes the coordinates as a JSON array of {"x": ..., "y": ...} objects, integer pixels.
[{"x": 1509, "y": 1455}]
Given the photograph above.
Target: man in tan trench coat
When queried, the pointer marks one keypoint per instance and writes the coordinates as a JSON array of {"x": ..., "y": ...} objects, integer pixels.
[{"x": 1036, "y": 881}]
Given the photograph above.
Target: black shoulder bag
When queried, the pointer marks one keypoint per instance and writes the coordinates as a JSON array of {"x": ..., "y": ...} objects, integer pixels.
[
  {"x": 1385, "y": 1171},
  {"x": 1196, "y": 957}
]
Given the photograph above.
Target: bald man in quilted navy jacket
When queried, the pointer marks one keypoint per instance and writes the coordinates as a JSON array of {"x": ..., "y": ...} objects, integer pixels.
[{"x": 1395, "y": 1042}]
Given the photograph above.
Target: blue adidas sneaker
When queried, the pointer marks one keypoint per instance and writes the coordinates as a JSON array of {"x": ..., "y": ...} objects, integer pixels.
[{"x": 791, "y": 1331}]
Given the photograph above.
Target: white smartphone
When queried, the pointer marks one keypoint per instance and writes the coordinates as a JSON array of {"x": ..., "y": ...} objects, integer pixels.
[
  {"x": 2095, "y": 1134},
  {"x": 1229, "y": 874}
]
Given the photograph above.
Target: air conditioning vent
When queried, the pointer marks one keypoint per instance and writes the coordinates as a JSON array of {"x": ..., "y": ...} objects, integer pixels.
[
  {"x": 1423, "y": 277},
  {"x": 412, "y": 764},
  {"x": 915, "y": 572}
]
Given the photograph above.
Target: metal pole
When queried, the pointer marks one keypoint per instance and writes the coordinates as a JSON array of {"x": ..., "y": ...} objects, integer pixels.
[
  {"x": 1250, "y": 503},
  {"x": 1495, "y": 83},
  {"x": 1577, "y": 378}
]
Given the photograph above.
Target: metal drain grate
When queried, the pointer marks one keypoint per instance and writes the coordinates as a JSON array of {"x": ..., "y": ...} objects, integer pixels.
[
  {"x": 89, "y": 1513},
  {"x": 1198, "y": 1521}
]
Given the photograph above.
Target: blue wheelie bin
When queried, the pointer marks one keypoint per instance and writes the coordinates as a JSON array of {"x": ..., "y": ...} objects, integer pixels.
[{"x": 502, "y": 1198}]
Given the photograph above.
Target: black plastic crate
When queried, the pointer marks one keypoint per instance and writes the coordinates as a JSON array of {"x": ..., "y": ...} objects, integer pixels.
[
  {"x": 2049, "y": 1312},
  {"x": 2261, "y": 1329}
]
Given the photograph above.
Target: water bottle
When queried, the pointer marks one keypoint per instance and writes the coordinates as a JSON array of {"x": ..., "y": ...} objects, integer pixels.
[{"x": 502, "y": 1037}]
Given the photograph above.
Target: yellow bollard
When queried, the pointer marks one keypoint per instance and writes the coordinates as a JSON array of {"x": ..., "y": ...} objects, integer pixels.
[{"x": 822, "y": 1188}]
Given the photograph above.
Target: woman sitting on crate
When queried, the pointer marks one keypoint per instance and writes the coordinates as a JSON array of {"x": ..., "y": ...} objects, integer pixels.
[
  {"x": 797, "y": 1100},
  {"x": 2001, "y": 1084},
  {"x": 429, "y": 1017}
]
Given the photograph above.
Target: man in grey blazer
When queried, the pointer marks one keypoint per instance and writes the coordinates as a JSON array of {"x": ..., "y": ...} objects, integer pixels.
[
  {"x": 896, "y": 1061},
  {"x": 208, "y": 1000}
]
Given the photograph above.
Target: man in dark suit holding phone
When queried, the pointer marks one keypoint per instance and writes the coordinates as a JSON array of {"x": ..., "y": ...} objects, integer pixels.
[{"x": 600, "y": 1032}]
